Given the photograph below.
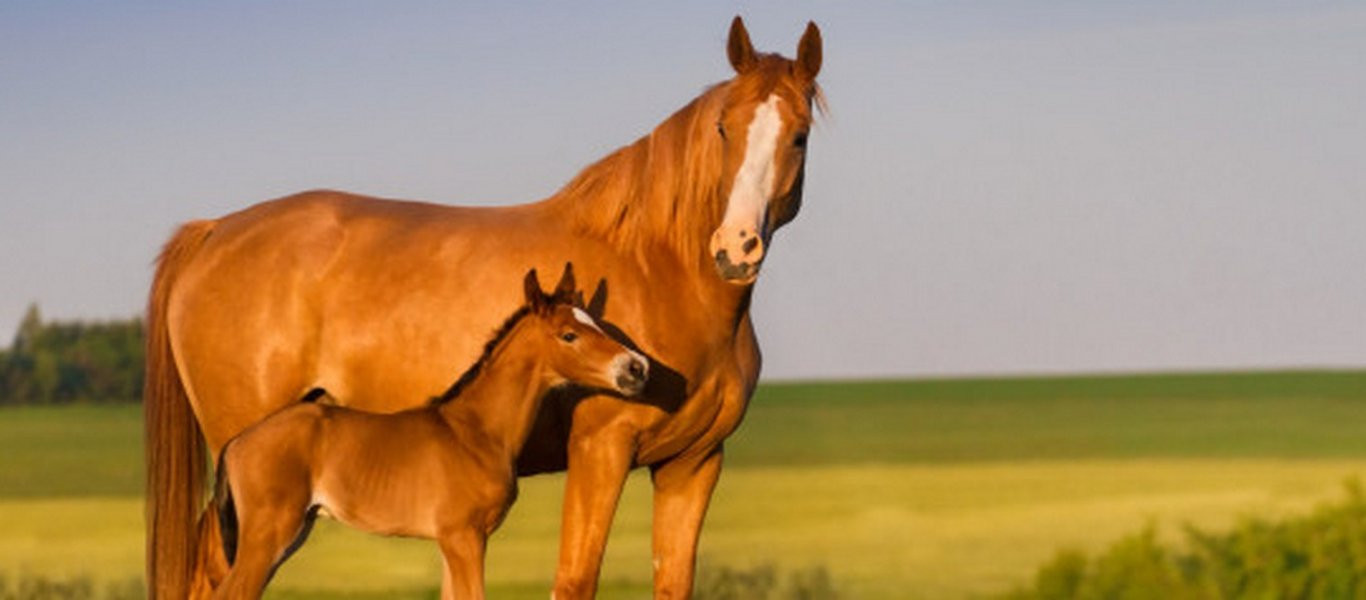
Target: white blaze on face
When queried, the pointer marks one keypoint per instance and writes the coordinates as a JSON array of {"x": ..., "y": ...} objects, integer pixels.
[
  {"x": 754, "y": 181},
  {"x": 741, "y": 233}
]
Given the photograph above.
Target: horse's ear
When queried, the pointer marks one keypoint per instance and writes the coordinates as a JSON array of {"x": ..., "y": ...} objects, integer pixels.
[
  {"x": 531, "y": 286},
  {"x": 597, "y": 305},
  {"x": 564, "y": 290},
  {"x": 808, "y": 62},
  {"x": 739, "y": 48}
]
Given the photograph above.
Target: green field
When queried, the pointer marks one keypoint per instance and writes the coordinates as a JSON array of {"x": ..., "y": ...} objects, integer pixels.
[{"x": 921, "y": 489}]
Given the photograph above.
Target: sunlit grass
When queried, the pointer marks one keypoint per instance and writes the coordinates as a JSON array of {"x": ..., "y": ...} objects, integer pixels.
[
  {"x": 926, "y": 489},
  {"x": 882, "y": 531}
]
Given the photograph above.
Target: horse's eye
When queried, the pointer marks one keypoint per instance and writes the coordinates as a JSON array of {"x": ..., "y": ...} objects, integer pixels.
[
  {"x": 799, "y": 141},
  {"x": 569, "y": 336},
  {"x": 721, "y": 129}
]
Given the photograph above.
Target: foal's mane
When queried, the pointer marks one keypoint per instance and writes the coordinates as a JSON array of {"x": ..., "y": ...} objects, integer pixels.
[
  {"x": 473, "y": 372},
  {"x": 657, "y": 188}
]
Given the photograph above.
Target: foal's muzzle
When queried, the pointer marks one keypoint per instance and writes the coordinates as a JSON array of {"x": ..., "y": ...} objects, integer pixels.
[{"x": 632, "y": 372}]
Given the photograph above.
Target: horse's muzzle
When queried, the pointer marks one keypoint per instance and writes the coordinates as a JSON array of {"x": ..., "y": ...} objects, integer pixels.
[{"x": 743, "y": 272}]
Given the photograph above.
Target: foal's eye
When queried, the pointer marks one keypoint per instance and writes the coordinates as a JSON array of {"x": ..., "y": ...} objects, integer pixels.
[
  {"x": 569, "y": 336},
  {"x": 799, "y": 141},
  {"x": 721, "y": 129}
]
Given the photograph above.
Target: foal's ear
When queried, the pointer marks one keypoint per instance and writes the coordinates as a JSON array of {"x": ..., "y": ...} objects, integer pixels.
[
  {"x": 808, "y": 62},
  {"x": 738, "y": 47},
  {"x": 531, "y": 286},
  {"x": 564, "y": 290}
]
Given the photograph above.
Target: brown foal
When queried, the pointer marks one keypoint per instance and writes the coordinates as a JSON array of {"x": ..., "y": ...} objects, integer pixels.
[{"x": 446, "y": 471}]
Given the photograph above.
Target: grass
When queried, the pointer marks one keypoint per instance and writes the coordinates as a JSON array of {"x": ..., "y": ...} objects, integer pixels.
[
  {"x": 1236, "y": 415},
  {"x": 900, "y": 489},
  {"x": 942, "y": 531},
  {"x": 71, "y": 451}
]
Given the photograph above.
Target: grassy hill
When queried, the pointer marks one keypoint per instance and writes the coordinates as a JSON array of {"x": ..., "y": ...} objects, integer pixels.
[{"x": 929, "y": 489}]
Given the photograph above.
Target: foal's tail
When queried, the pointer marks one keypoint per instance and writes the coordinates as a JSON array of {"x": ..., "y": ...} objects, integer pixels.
[
  {"x": 174, "y": 450},
  {"x": 227, "y": 510}
]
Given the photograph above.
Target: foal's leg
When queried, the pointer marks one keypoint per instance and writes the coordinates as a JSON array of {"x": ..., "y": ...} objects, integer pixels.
[
  {"x": 266, "y": 537},
  {"x": 463, "y": 552}
]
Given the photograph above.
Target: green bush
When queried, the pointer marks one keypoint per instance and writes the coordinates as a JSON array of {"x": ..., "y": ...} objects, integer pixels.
[
  {"x": 763, "y": 582},
  {"x": 29, "y": 587},
  {"x": 1320, "y": 555}
]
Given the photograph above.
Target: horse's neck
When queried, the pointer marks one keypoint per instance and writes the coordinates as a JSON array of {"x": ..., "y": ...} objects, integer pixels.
[
  {"x": 502, "y": 400},
  {"x": 660, "y": 193}
]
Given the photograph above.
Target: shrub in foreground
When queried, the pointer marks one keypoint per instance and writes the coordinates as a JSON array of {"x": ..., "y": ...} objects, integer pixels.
[
  {"x": 1320, "y": 555},
  {"x": 763, "y": 582},
  {"x": 29, "y": 587}
]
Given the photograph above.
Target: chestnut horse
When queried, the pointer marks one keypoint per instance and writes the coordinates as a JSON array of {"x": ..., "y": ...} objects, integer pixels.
[
  {"x": 375, "y": 300},
  {"x": 445, "y": 471}
]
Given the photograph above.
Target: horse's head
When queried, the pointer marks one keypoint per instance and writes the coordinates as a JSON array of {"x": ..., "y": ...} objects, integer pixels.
[
  {"x": 578, "y": 351},
  {"x": 763, "y": 125}
]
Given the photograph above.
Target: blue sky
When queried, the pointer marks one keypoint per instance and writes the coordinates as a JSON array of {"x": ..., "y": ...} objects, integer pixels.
[{"x": 1003, "y": 187}]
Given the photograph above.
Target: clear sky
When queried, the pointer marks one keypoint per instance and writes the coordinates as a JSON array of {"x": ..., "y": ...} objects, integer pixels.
[{"x": 1002, "y": 187}]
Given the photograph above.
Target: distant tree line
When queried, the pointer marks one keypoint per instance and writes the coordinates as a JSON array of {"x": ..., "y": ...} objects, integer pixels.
[{"x": 72, "y": 362}]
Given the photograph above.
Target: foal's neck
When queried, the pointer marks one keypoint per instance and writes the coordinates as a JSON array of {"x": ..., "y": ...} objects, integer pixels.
[{"x": 502, "y": 400}]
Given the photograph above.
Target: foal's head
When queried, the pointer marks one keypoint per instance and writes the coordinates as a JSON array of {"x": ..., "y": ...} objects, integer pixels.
[{"x": 575, "y": 350}]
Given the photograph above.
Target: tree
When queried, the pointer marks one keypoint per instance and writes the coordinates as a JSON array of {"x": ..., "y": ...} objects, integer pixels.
[
  {"x": 30, "y": 328},
  {"x": 78, "y": 361}
]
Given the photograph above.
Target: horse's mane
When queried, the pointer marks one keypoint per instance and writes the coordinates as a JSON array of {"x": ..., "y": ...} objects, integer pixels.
[
  {"x": 473, "y": 372},
  {"x": 656, "y": 188},
  {"x": 641, "y": 190}
]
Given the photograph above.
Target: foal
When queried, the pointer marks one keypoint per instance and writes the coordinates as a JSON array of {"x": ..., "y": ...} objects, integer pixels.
[{"x": 445, "y": 471}]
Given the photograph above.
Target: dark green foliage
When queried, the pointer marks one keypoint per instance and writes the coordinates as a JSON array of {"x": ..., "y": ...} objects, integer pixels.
[
  {"x": 79, "y": 588},
  {"x": 1321, "y": 555},
  {"x": 763, "y": 582},
  {"x": 67, "y": 362}
]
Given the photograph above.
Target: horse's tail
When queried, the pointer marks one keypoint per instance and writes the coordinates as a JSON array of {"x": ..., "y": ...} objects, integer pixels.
[
  {"x": 227, "y": 510},
  {"x": 174, "y": 451}
]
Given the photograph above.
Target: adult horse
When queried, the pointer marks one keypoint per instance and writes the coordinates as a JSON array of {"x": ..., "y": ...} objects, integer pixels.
[{"x": 378, "y": 301}]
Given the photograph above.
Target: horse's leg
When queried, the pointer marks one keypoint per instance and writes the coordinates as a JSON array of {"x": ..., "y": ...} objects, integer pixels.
[
  {"x": 598, "y": 465},
  {"x": 463, "y": 553},
  {"x": 683, "y": 488}
]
